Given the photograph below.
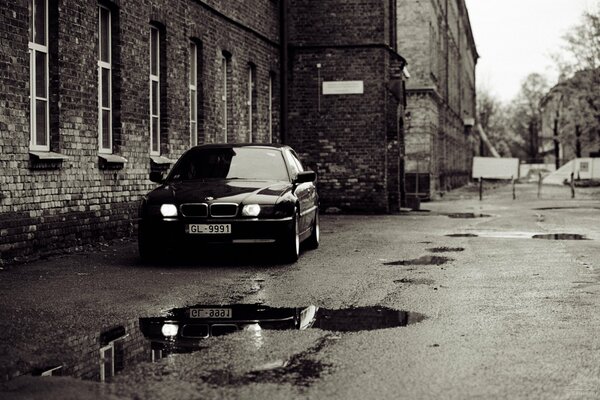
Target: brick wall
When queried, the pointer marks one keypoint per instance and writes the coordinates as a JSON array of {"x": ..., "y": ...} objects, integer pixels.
[
  {"x": 345, "y": 137},
  {"x": 49, "y": 205}
]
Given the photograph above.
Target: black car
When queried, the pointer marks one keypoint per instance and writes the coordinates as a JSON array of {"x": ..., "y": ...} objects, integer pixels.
[{"x": 233, "y": 194}]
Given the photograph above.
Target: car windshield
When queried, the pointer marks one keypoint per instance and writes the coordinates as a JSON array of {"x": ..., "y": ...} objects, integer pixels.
[{"x": 231, "y": 163}]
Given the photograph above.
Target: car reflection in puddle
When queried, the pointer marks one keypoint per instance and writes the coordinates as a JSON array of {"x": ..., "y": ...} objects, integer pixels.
[{"x": 183, "y": 328}]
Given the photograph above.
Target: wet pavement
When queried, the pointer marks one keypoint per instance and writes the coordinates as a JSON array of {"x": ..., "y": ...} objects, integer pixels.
[{"x": 415, "y": 305}]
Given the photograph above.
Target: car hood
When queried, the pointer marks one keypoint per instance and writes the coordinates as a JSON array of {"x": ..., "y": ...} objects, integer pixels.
[{"x": 235, "y": 191}]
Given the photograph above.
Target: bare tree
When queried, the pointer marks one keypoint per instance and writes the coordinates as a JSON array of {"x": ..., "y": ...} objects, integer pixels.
[
  {"x": 494, "y": 118},
  {"x": 526, "y": 113}
]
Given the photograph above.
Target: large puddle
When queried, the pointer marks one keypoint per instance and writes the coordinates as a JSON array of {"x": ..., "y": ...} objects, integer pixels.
[
  {"x": 182, "y": 327},
  {"x": 184, "y": 330},
  {"x": 521, "y": 235},
  {"x": 560, "y": 236},
  {"x": 424, "y": 260},
  {"x": 468, "y": 215}
]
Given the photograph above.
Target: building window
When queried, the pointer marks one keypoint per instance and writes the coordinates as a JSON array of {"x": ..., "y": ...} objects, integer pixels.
[
  {"x": 226, "y": 76},
  {"x": 193, "y": 94},
  {"x": 105, "y": 110},
  {"x": 38, "y": 79},
  {"x": 251, "y": 101},
  {"x": 154, "y": 91}
]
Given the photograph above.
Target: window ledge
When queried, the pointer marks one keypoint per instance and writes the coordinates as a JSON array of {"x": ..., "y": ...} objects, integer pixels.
[
  {"x": 48, "y": 156},
  {"x": 112, "y": 158},
  {"x": 161, "y": 160},
  {"x": 111, "y": 161},
  {"x": 46, "y": 160}
]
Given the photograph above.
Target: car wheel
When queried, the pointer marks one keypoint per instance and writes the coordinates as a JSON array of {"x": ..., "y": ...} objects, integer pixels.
[
  {"x": 313, "y": 240},
  {"x": 146, "y": 246},
  {"x": 290, "y": 249}
]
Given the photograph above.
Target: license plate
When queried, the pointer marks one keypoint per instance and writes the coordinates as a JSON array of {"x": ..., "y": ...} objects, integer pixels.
[
  {"x": 210, "y": 313},
  {"x": 208, "y": 229}
]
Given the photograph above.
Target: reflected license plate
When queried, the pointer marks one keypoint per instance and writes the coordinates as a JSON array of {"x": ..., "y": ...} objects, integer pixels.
[
  {"x": 210, "y": 312},
  {"x": 208, "y": 229}
]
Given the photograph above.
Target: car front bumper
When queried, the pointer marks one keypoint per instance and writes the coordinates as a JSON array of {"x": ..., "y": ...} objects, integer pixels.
[{"x": 172, "y": 231}]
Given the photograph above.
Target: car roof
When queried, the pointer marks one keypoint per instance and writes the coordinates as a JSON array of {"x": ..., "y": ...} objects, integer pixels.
[{"x": 278, "y": 146}]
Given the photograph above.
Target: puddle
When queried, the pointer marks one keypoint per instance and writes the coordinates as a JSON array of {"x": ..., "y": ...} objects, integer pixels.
[
  {"x": 183, "y": 330},
  {"x": 183, "y": 327},
  {"x": 425, "y": 260},
  {"x": 560, "y": 236},
  {"x": 410, "y": 281},
  {"x": 522, "y": 235},
  {"x": 446, "y": 249},
  {"x": 468, "y": 215},
  {"x": 567, "y": 208}
]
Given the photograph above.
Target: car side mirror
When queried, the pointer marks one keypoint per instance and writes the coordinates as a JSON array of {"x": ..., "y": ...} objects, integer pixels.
[
  {"x": 156, "y": 177},
  {"x": 306, "y": 176}
]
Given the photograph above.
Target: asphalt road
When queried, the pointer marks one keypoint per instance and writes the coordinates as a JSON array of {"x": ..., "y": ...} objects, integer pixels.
[{"x": 494, "y": 313}]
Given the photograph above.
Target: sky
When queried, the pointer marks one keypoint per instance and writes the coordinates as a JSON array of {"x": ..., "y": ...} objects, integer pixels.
[{"x": 517, "y": 37}]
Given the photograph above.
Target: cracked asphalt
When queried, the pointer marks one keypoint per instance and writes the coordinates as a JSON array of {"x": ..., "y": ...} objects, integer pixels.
[{"x": 505, "y": 315}]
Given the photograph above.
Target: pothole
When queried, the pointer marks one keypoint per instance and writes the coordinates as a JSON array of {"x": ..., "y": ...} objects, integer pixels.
[
  {"x": 468, "y": 215},
  {"x": 424, "y": 260},
  {"x": 560, "y": 236},
  {"x": 461, "y": 235},
  {"x": 445, "y": 249}
]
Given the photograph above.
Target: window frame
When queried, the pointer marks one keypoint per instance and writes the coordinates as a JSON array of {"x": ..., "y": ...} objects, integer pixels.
[
  {"x": 155, "y": 97},
  {"x": 35, "y": 48},
  {"x": 105, "y": 65}
]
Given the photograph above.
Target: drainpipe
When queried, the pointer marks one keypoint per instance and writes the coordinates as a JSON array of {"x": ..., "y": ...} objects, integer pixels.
[{"x": 283, "y": 69}]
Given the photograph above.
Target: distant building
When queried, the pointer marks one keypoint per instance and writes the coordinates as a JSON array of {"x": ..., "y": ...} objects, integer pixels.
[
  {"x": 570, "y": 119},
  {"x": 437, "y": 41}
]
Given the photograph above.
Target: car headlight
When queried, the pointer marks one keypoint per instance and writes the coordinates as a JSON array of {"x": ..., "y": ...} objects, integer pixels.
[
  {"x": 251, "y": 210},
  {"x": 168, "y": 210},
  {"x": 169, "y": 329}
]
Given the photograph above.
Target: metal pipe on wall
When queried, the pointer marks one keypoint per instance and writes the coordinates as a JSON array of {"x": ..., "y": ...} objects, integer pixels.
[{"x": 283, "y": 69}]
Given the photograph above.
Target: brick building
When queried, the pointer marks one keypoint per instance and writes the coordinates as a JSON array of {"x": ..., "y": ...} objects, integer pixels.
[
  {"x": 343, "y": 116},
  {"x": 97, "y": 93},
  {"x": 436, "y": 38}
]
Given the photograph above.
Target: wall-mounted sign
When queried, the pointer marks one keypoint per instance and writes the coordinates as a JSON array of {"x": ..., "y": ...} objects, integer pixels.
[{"x": 343, "y": 87}]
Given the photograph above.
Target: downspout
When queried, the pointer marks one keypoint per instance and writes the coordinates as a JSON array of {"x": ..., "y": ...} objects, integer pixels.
[{"x": 283, "y": 70}]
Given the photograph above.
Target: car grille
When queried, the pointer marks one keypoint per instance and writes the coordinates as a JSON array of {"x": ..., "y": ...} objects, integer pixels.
[
  {"x": 194, "y": 331},
  {"x": 223, "y": 210},
  {"x": 194, "y": 210},
  {"x": 224, "y": 329}
]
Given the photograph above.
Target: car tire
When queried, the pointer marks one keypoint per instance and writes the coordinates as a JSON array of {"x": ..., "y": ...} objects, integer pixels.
[
  {"x": 290, "y": 247},
  {"x": 312, "y": 242},
  {"x": 146, "y": 246}
]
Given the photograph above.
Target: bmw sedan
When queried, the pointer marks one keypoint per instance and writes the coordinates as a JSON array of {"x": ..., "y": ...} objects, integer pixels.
[{"x": 232, "y": 194}]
